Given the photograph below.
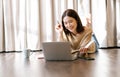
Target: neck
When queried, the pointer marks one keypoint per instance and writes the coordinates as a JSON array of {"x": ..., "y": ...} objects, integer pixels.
[{"x": 75, "y": 33}]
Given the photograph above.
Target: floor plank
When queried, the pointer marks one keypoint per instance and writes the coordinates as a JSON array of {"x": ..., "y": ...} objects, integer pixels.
[{"x": 106, "y": 64}]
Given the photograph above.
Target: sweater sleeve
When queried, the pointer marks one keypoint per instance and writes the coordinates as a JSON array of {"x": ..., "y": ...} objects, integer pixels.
[
  {"x": 62, "y": 37},
  {"x": 87, "y": 40}
]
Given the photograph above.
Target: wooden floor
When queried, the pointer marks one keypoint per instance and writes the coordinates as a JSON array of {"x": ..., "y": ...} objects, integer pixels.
[{"x": 106, "y": 64}]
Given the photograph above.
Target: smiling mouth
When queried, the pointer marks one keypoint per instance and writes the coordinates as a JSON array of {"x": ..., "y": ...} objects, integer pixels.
[{"x": 71, "y": 28}]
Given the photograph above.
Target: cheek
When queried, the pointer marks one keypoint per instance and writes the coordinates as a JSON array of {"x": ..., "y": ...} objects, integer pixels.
[
  {"x": 75, "y": 25},
  {"x": 65, "y": 26}
]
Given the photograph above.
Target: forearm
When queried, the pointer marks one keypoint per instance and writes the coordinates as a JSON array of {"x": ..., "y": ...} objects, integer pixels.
[
  {"x": 60, "y": 37},
  {"x": 92, "y": 48}
]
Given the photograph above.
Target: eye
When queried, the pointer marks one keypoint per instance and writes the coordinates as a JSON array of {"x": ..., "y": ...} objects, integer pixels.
[
  {"x": 65, "y": 23},
  {"x": 70, "y": 21}
]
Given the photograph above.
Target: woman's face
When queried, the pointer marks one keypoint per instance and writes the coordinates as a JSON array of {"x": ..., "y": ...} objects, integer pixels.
[{"x": 70, "y": 24}]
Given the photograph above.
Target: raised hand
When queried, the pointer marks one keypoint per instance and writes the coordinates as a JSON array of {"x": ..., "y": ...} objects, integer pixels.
[{"x": 59, "y": 28}]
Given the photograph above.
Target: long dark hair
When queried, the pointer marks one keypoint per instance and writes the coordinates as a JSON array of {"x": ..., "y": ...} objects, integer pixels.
[{"x": 72, "y": 13}]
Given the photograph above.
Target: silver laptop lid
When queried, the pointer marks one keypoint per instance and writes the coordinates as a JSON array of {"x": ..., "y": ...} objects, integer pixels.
[{"x": 57, "y": 51}]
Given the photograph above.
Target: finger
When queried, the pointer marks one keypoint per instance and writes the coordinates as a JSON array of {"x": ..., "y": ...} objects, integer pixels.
[
  {"x": 85, "y": 50},
  {"x": 57, "y": 26},
  {"x": 81, "y": 50}
]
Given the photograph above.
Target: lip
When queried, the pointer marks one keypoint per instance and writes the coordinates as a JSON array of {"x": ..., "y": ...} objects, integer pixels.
[{"x": 70, "y": 29}]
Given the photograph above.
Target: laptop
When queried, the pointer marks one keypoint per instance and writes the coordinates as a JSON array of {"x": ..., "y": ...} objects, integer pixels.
[{"x": 58, "y": 51}]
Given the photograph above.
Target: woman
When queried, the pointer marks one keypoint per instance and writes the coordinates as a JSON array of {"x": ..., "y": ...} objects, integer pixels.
[{"x": 72, "y": 30}]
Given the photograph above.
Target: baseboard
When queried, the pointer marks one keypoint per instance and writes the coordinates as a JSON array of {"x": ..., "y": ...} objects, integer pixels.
[
  {"x": 19, "y": 51},
  {"x": 109, "y": 47}
]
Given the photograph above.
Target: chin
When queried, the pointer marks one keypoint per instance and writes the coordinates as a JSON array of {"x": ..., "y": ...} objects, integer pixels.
[{"x": 71, "y": 31}]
